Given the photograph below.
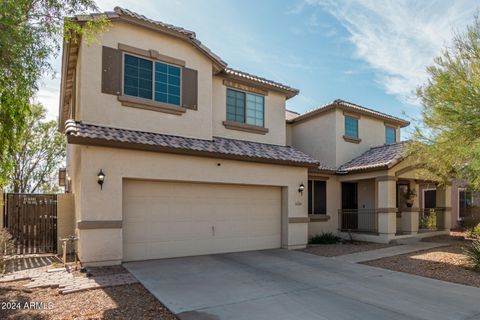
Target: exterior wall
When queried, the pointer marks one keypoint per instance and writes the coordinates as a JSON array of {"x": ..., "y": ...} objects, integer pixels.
[
  {"x": 316, "y": 227},
  {"x": 366, "y": 194},
  {"x": 316, "y": 137},
  {"x": 105, "y": 245},
  {"x": 289, "y": 129},
  {"x": 371, "y": 131},
  {"x": 99, "y": 108},
  {"x": 274, "y": 117},
  {"x": 65, "y": 218},
  {"x": 456, "y": 185}
]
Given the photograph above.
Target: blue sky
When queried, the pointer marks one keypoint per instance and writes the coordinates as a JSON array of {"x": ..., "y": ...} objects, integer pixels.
[{"x": 369, "y": 52}]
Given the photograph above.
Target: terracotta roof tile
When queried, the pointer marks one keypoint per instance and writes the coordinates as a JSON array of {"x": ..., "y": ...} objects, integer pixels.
[
  {"x": 248, "y": 76},
  {"x": 82, "y": 133}
]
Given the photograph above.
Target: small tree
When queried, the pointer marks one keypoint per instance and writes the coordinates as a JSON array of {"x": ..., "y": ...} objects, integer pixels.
[
  {"x": 447, "y": 144},
  {"x": 37, "y": 154}
]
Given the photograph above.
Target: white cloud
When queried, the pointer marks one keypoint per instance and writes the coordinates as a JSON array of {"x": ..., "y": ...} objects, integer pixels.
[{"x": 399, "y": 39}]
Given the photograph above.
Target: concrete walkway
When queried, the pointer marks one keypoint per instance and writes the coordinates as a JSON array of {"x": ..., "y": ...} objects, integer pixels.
[
  {"x": 388, "y": 252},
  {"x": 292, "y": 285}
]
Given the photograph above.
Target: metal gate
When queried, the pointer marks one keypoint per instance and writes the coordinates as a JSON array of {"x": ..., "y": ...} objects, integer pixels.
[{"x": 32, "y": 221}]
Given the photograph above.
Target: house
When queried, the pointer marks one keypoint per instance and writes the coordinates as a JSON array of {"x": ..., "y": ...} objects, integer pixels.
[
  {"x": 359, "y": 188},
  {"x": 191, "y": 154},
  {"x": 172, "y": 153}
]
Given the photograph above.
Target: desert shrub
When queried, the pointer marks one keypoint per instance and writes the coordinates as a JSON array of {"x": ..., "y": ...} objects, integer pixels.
[
  {"x": 473, "y": 254},
  {"x": 324, "y": 238},
  {"x": 473, "y": 232},
  {"x": 429, "y": 221},
  {"x": 6, "y": 248}
]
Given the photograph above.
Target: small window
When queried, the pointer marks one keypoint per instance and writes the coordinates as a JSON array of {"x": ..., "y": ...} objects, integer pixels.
[
  {"x": 245, "y": 107},
  {"x": 465, "y": 202},
  {"x": 390, "y": 135},
  {"x": 141, "y": 81},
  {"x": 317, "y": 197},
  {"x": 351, "y": 127}
]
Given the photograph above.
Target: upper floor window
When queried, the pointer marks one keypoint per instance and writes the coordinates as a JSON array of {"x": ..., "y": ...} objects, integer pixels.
[
  {"x": 245, "y": 107},
  {"x": 152, "y": 80},
  {"x": 390, "y": 135},
  {"x": 317, "y": 197},
  {"x": 351, "y": 127}
]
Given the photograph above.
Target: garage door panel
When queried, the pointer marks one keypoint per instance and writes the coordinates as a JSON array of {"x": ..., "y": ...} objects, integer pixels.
[{"x": 174, "y": 219}]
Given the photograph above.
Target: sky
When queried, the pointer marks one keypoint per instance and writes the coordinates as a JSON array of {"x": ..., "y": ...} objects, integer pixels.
[{"x": 370, "y": 52}]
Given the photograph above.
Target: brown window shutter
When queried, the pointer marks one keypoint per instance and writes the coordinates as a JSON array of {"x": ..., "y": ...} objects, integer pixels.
[
  {"x": 111, "y": 71},
  {"x": 189, "y": 88}
]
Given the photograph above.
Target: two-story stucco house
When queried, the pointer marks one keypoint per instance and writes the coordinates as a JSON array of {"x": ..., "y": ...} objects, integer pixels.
[{"x": 171, "y": 153}]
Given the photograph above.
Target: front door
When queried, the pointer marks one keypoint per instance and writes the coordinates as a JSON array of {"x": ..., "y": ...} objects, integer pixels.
[{"x": 349, "y": 205}]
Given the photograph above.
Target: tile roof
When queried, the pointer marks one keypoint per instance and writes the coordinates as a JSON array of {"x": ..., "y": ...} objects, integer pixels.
[
  {"x": 348, "y": 106},
  {"x": 289, "y": 114},
  {"x": 251, "y": 77},
  {"x": 384, "y": 156},
  {"x": 82, "y": 133}
]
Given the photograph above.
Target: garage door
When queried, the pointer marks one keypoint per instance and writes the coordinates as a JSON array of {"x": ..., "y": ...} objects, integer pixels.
[{"x": 175, "y": 219}]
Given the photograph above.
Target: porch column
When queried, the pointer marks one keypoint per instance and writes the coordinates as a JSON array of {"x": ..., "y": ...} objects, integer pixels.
[
  {"x": 410, "y": 216},
  {"x": 444, "y": 201},
  {"x": 387, "y": 207}
]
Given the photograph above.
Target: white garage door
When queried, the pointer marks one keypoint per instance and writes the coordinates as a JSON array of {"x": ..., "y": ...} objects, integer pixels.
[{"x": 175, "y": 219}]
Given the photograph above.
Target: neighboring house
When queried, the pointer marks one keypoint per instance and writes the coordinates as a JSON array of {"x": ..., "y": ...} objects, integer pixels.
[
  {"x": 465, "y": 204},
  {"x": 171, "y": 153}
]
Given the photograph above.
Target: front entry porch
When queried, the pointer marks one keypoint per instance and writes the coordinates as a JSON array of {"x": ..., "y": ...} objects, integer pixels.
[{"x": 391, "y": 207}]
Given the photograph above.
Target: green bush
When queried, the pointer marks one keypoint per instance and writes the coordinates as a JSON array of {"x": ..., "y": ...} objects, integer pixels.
[
  {"x": 429, "y": 221},
  {"x": 473, "y": 232},
  {"x": 324, "y": 238},
  {"x": 473, "y": 254}
]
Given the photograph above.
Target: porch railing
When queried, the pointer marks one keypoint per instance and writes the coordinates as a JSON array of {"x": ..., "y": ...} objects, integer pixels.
[
  {"x": 358, "y": 220},
  {"x": 431, "y": 219}
]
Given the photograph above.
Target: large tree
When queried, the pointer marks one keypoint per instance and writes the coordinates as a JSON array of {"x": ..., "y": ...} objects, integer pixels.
[
  {"x": 447, "y": 143},
  {"x": 30, "y": 34},
  {"x": 39, "y": 153}
]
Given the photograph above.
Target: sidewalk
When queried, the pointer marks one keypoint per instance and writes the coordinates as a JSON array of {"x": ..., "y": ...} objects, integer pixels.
[{"x": 388, "y": 252}]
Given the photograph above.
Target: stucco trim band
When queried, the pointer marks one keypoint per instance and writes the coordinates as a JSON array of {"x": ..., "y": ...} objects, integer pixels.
[
  {"x": 99, "y": 224},
  {"x": 298, "y": 220},
  {"x": 387, "y": 210},
  {"x": 244, "y": 127},
  {"x": 150, "y": 105},
  {"x": 352, "y": 139}
]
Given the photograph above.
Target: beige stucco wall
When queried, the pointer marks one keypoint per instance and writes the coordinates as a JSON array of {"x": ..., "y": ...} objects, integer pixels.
[
  {"x": 65, "y": 217},
  {"x": 106, "y": 244},
  {"x": 274, "y": 117},
  {"x": 370, "y": 130},
  {"x": 316, "y": 137},
  {"x": 99, "y": 108},
  {"x": 333, "y": 204}
]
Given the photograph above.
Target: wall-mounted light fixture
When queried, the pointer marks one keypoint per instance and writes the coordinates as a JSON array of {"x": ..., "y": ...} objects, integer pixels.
[
  {"x": 101, "y": 178},
  {"x": 301, "y": 188}
]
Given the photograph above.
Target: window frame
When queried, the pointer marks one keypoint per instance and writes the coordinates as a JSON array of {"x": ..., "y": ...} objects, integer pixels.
[
  {"x": 311, "y": 202},
  {"x": 394, "y": 133},
  {"x": 463, "y": 189},
  {"x": 357, "y": 137},
  {"x": 245, "y": 93},
  {"x": 153, "y": 79}
]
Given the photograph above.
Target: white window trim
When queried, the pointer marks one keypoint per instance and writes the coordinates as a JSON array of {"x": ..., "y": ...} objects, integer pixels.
[
  {"x": 423, "y": 198},
  {"x": 153, "y": 78}
]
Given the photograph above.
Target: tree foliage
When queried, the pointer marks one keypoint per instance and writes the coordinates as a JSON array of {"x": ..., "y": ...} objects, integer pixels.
[
  {"x": 447, "y": 145},
  {"x": 30, "y": 33},
  {"x": 39, "y": 153}
]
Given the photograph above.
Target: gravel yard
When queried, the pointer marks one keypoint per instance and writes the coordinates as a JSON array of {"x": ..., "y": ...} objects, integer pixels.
[
  {"x": 121, "y": 302},
  {"x": 342, "y": 248},
  {"x": 444, "y": 263}
]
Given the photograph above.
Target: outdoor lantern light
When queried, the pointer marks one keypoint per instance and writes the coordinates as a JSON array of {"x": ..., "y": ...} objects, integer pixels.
[
  {"x": 101, "y": 178},
  {"x": 301, "y": 188}
]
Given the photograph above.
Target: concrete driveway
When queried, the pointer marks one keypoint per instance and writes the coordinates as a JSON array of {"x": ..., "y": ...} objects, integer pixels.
[{"x": 281, "y": 285}]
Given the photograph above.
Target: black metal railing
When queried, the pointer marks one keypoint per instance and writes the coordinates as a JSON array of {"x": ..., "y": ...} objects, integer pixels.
[
  {"x": 431, "y": 219},
  {"x": 358, "y": 220}
]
